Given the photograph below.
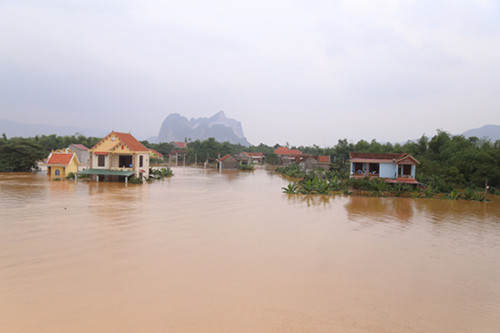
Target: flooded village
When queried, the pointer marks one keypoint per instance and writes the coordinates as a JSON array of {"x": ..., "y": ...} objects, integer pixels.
[
  {"x": 224, "y": 245},
  {"x": 249, "y": 166}
]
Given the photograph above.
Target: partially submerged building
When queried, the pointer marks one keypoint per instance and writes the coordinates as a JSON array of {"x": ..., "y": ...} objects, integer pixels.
[
  {"x": 228, "y": 162},
  {"x": 82, "y": 152},
  {"x": 287, "y": 155},
  {"x": 61, "y": 163},
  {"x": 117, "y": 157},
  {"x": 394, "y": 168}
]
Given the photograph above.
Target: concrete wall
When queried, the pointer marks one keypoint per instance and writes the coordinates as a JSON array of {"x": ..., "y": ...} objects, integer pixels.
[{"x": 145, "y": 164}]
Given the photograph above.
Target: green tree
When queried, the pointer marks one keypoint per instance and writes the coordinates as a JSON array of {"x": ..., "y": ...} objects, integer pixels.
[{"x": 20, "y": 155}]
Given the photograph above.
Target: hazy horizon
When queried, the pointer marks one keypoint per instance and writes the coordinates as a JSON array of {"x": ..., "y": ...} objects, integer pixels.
[{"x": 290, "y": 71}]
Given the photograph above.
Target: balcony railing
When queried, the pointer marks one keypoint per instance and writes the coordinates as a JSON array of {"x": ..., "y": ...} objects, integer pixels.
[
  {"x": 376, "y": 175},
  {"x": 121, "y": 169}
]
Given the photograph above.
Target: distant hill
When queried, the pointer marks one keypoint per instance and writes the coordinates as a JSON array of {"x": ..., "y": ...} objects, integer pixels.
[
  {"x": 490, "y": 131},
  {"x": 15, "y": 129},
  {"x": 177, "y": 128}
]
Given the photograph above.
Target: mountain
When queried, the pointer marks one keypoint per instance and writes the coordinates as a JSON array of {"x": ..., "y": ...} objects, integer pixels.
[
  {"x": 15, "y": 129},
  {"x": 177, "y": 128},
  {"x": 490, "y": 131}
]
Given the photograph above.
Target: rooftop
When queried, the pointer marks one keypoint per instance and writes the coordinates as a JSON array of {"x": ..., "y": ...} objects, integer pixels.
[{"x": 60, "y": 158}]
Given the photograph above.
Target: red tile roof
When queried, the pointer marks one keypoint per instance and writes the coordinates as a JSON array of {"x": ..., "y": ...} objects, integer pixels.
[
  {"x": 79, "y": 146},
  {"x": 286, "y": 151},
  {"x": 180, "y": 144},
  {"x": 255, "y": 154},
  {"x": 396, "y": 157},
  {"x": 127, "y": 139},
  {"x": 131, "y": 142},
  {"x": 156, "y": 153},
  {"x": 60, "y": 158},
  {"x": 324, "y": 159},
  {"x": 225, "y": 157}
]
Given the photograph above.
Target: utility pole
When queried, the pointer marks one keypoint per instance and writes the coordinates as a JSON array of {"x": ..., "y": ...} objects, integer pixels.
[{"x": 485, "y": 189}]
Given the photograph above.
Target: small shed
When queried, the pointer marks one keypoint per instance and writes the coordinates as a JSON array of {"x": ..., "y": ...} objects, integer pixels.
[
  {"x": 243, "y": 158},
  {"x": 228, "y": 162},
  {"x": 308, "y": 164}
]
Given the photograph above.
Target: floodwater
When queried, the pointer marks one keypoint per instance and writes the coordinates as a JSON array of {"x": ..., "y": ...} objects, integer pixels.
[{"x": 210, "y": 252}]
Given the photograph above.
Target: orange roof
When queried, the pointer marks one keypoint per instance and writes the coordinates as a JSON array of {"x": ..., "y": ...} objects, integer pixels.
[
  {"x": 324, "y": 159},
  {"x": 223, "y": 158},
  {"x": 128, "y": 140},
  {"x": 156, "y": 153},
  {"x": 60, "y": 158},
  {"x": 381, "y": 157},
  {"x": 180, "y": 144},
  {"x": 286, "y": 151},
  {"x": 255, "y": 154}
]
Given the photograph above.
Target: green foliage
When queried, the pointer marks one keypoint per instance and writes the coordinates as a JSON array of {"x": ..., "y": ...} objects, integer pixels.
[
  {"x": 291, "y": 188},
  {"x": 70, "y": 175},
  {"x": 20, "y": 155},
  {"x": 135, "y": 180},
  {"x": 246, "y": 167},
  {"x": 272, "y": 159},
  {"x": 163, "y": 172},
  {"x": 378, "y": 186},
  {"x": 447, "y": 162},
  {"x": 291, "y": 170}
]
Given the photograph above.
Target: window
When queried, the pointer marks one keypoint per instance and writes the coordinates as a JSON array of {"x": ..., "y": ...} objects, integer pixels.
[
  {"x": 101, "y": 159},
  {"x": 58, "y": 172},
  {"x": 125, "y": 161},
  {"x": 141, "y": 158},
  {"x": 374, "y": 169}
]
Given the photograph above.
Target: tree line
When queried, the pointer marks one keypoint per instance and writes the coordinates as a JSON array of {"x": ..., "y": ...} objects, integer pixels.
[{"x": 447, "y": 161}]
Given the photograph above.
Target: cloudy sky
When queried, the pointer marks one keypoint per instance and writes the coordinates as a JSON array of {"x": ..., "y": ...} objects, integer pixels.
[{"x": 303, "y": 72}]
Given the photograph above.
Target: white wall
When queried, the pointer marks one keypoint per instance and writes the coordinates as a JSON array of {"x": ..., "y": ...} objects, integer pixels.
[
  {"x": 145, "y": 164},
  {"x": 387, "y": 170}
]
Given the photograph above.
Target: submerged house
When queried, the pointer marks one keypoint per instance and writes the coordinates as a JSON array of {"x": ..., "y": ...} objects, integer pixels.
[
  {"x": 228, "y": 162},
  {"x": 395, "y": 168},
  {"x": 117, "y": 157},
  {"x": 61, "y": 163},
  {"x": 250, "y": 158},
  {"x": 309, "y": 162},
  {"x": 256, "y": 157},
  {"x": 287, "y": 155}
]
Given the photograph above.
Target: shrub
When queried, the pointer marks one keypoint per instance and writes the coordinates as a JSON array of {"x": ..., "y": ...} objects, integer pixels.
[
  {"x": 246, "y": 167},
  {"x": 135, "y": 180}
]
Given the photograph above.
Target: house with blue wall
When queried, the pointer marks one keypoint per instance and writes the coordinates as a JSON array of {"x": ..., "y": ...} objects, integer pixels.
[{"x": 394, "y": 168}]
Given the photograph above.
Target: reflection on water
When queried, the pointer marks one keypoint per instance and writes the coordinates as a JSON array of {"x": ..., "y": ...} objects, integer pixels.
[
  {"x": 311, "y": 200},
  {"x": 209, "y": 251},
  {"x": 380, "y": 209}
]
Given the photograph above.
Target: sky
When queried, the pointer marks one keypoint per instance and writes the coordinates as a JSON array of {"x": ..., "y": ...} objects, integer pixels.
[{"x": 297, "y": 72}]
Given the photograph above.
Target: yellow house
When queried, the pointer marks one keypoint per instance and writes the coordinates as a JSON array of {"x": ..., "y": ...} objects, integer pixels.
[
  {"x": 62, "y": 163},
  {"x": 117, "y": 157}
]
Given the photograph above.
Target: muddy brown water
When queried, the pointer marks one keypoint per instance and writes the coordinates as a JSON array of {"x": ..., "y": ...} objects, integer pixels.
[{"x": 210, "y": 252}]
